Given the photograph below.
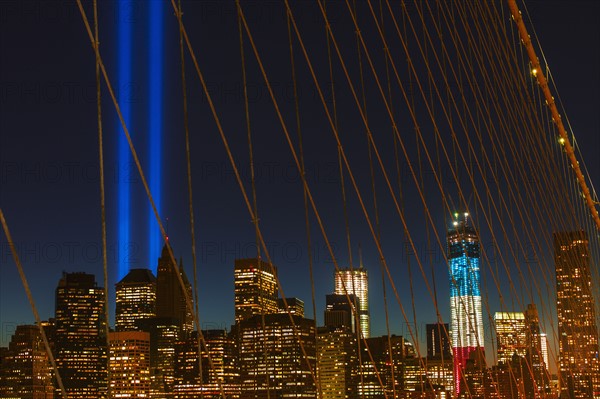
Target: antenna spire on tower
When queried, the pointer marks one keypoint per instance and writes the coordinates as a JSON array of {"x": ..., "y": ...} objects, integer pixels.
[
  {"x": 360, "y": 264},
  {"x": 167, "y": 229}
]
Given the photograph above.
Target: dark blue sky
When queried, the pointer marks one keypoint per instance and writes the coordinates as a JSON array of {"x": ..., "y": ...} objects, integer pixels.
[{"x": 49, "y": 168}]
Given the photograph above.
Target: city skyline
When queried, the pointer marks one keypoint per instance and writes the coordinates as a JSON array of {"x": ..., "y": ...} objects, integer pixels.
[
  {"x": 142, "y": 338},
  {"x": 135, "y": 286},
  {"x": 395, "y": 154}
]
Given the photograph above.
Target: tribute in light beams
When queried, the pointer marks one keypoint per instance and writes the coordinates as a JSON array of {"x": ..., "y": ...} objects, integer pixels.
[
  {"x": 124, "y": 98},
  {"x": 155, "y": 51}
]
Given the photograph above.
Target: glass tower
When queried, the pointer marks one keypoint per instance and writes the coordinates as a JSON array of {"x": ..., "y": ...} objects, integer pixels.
[
  {"x": 356, "y": 282},
  {"x": 465, "y": 294}
]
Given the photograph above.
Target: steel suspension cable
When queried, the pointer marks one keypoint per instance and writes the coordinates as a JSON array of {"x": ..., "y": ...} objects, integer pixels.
[
  {"x": 304, "y": 192},
  {"x": 555, "y": 114},
  {"x": 36, "y": 315},
  {"x": 173, "y": 263},
  {"x": 102, "y": 202},
  {"x": 188, "y": 159}
]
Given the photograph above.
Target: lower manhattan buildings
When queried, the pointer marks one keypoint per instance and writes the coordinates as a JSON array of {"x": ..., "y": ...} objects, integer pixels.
[{"x": 274, "y": 351}]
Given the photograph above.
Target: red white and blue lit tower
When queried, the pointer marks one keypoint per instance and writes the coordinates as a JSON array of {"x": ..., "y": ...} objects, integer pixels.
[{"x": 465, "y": 294}]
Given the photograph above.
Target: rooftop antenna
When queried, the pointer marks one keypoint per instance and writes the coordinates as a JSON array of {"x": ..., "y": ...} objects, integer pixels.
[
  {"x": 467, "y": 207},
  {"x": 360, "y": 262},
  {"x": 167, "y": 229}
]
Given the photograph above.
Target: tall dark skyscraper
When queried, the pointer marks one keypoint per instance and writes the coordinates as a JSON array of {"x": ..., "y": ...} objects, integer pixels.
[
  {"x": 577, "y": 329},
  {"x": 438, "y": 343},
  {"x": 170, "y": 297},
  {"x": 338, "y": 312},
  {"x": 255, "y": 287},
  {"x": 136, "y": 299},
  {"x": 535, "y": 354},
  {"x": 80, "y": 339},
  {"x": 465, "y": 294}
]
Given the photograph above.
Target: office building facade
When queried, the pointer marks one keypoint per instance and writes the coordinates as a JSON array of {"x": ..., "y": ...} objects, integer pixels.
[
  {"x": 255, "y": 288},
  {"x": 80, "y": 336},
  {"x": 129, "y": 364},
  {"x": 579, "y": 370},
  {"x": 135, "y": 299}
]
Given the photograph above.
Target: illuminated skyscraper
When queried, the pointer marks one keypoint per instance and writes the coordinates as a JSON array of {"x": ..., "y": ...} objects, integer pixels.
[
  {"x": 295, "y": 306},
  {"x": 511, "y": 335},
  {"x": 221, "y": 371},
  {"x": 170, "y": 297},
  {"x": 577, "y": 329},
  {"x": 544, "y": 345},
  {"x": 255, "y": 288},
  {"x": 356, "y": 282},
  {"x": 136, "y": 299},
  {"x": 272, "y": 362},
  {"x": 537, "y": 380},
  {"x": 337, "y": 362},
  {"x": 164, "y": 332},
  {"x": 24, "y": 366},
  {"x": 129, "y": 364},
  {"x": 465, "y": 294},
  {"x": 80, "y": 340}
]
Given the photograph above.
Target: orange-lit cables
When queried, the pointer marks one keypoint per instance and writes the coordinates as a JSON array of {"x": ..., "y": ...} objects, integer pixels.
[
  {"x": 188, "y": 159},
  {"x": 309, "y": 251},
  {"x": 102, "y": 201},
  {"x": 38, "y": 320},
  {"x": 135, "y": 157}
]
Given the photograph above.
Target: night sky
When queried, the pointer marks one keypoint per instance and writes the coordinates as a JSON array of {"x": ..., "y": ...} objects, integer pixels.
[{"x": 49, "y": 187}]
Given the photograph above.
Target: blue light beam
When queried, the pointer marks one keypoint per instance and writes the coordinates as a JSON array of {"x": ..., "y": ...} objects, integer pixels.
[
  {"x": 155, "y": 85},
  {"x": 124, "y": 95}
]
